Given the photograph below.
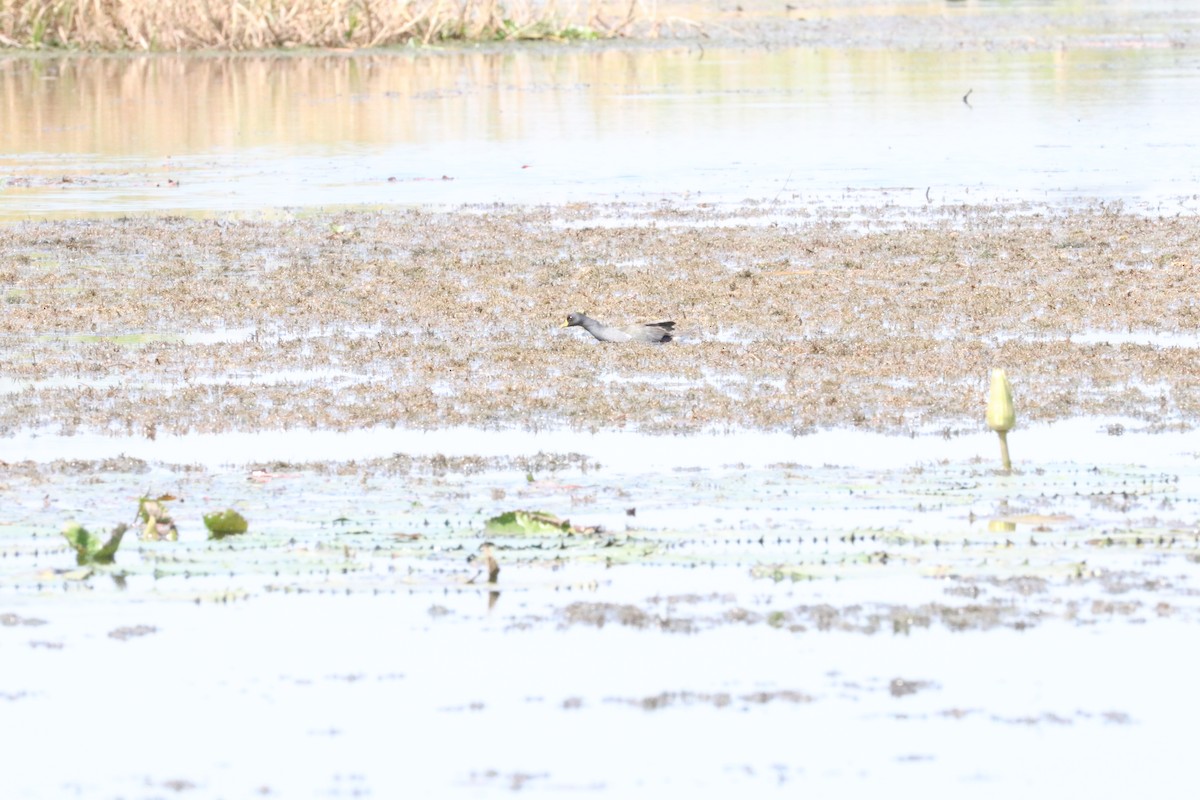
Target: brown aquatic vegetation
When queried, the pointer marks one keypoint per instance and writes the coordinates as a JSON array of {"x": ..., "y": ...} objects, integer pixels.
[
  {"x": 262, "y": 24},
  {"x": 717, "y": 699},
  {"x": 126, "y": 632},
  {"x": 872, "y": 619},
  {"x": 429, "y": 319}
]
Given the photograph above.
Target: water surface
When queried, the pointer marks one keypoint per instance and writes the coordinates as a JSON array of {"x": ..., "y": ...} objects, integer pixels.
[{"x": 118, "y": 135}]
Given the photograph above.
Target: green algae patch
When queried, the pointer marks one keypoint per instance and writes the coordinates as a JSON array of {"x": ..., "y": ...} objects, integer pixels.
[
  {"x": 90, "y": 548},
  {"x": 225, "y": 523}
]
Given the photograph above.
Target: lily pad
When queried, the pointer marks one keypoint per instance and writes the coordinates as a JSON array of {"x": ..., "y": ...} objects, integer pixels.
[
  {"x": 88, "y": 547},
  {"x": 225, "y": 523},
  {"x": 527, "y": 523}
]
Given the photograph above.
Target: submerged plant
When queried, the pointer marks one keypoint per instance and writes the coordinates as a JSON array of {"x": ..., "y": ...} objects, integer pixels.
[
  {"x": 1001, "y": 416},
  {"x": 88, "y": 547}
]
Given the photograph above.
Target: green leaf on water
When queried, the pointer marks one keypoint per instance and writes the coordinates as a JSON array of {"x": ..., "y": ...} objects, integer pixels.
[
  {"x": 225, "y": 523},
  {"x": 79, "y": 538},
  {"x": 106, "y": 553},
  {"x": 89, "y": 549},
  {"x": 526, "y": 523}
]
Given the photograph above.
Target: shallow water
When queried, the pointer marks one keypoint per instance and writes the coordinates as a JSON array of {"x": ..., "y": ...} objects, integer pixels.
[
  {"x": 1085, "y": 440},
  {"x": 427, "y": 703},
  {"x": 828, "y": 125},
  {"x": 741, "y": 632}
]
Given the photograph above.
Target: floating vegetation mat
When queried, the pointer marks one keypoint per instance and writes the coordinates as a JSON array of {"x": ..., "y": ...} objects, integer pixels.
[{"x": 788, "y": 319}]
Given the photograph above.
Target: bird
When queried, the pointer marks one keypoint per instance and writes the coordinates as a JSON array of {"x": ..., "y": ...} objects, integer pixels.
[{"x": 645, "y": 332}]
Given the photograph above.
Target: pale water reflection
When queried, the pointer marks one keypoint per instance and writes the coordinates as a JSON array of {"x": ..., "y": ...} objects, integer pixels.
[
  {"x": 1080, "y": 440},
  {"x": 117, "y": 135}
]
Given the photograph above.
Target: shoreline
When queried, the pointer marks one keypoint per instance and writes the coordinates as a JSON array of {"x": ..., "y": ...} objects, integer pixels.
[{"x": 765, "y": 23}]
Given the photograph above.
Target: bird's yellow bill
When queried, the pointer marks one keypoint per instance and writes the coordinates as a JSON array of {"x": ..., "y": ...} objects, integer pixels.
[{"x": 566, "y": 324}]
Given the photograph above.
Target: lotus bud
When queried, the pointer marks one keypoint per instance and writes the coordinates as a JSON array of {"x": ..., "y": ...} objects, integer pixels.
[
  {"x": 1001, "y": 417},
  {"x": 1000, "y": 414}
]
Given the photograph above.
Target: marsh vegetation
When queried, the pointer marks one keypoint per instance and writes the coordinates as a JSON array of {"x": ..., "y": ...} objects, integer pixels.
[{"x": 266, "y": 24}]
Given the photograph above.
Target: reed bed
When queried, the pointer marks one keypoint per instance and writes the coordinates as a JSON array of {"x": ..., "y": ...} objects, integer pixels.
[{"x": 268, "y": 24}]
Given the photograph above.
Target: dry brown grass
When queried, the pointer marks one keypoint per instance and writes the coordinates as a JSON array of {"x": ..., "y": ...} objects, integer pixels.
[{"x": 263, "y": 24}]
